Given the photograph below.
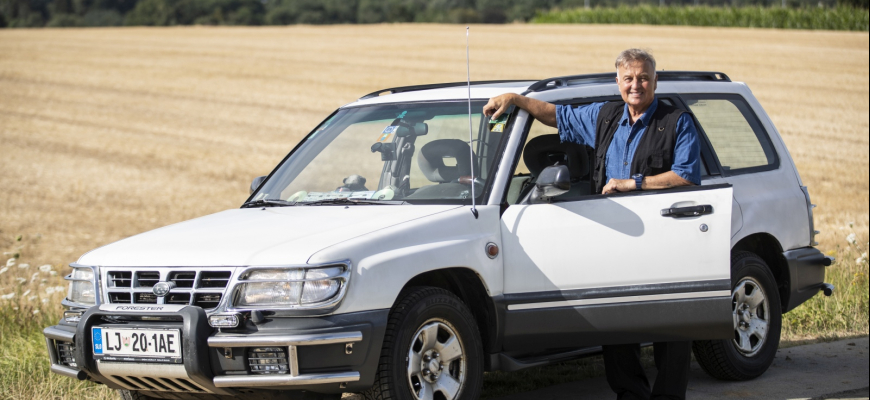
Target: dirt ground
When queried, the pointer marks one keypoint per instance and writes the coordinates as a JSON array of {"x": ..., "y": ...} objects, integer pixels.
[{"x": 105, "y": 133}]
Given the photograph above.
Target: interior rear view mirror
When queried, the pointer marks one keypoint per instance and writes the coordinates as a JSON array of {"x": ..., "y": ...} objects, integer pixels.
[{"x": 256, "y": 183}]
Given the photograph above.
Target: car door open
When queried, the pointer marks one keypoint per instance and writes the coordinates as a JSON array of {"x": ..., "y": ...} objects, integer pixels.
[{"x": 626, "y": 268}]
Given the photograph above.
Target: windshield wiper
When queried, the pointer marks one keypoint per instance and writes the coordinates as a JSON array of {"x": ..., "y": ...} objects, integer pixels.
[
  {"x": 346, "y": 201},
  {"x": 268, "y": 203}
]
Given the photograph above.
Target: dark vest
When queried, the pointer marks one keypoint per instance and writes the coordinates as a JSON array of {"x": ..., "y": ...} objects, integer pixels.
[{"x": 655, "y": 152}]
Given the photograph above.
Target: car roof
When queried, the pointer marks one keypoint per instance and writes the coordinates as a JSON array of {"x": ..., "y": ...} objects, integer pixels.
[{"x": 536, "y": 88}]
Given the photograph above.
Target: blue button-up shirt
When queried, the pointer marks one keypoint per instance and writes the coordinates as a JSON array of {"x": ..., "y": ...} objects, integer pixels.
[{"x": 577, "y": 125}]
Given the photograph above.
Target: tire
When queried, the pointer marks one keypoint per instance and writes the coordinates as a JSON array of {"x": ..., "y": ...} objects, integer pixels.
[
  {"x": 757, "y": 314},
  {"x": 432, "y": 350}
]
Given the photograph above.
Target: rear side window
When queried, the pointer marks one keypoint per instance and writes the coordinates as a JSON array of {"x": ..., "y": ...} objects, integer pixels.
[{"x": 737, "y": 137}]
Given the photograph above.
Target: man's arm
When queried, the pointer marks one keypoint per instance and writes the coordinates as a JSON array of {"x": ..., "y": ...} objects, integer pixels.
[
  {"x": 665, "y": 180},
  {"x": 541, "y": 110}
]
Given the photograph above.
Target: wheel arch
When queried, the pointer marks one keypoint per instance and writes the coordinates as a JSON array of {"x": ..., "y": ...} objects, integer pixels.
[
  {"x": 470, "y": 288},
  {"x": 770, "y": 250}
]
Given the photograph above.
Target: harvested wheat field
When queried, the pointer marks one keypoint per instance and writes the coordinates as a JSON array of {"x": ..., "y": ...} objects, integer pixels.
[{"x": 105, "y": 133}]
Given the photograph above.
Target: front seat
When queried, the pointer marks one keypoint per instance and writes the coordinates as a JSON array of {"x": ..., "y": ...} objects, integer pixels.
[
  {"x": 547, "y": 150},
  {"x": 431, "y": 161}
]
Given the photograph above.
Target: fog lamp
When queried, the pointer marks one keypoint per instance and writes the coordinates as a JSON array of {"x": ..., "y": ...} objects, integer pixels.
[{"x": 224, "y": 320}]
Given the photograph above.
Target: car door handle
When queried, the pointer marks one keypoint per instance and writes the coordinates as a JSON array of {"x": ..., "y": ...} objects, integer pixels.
[{"x": 692, "y": 211}]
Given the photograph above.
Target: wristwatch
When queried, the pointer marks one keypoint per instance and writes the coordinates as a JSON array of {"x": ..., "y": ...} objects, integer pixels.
[{"x": 638, "y": 181}]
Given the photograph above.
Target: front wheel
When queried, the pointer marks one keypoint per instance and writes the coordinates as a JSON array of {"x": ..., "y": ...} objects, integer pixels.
[
  {"x": 757, "y": 316},
  {"x": 432, "y": 350}
]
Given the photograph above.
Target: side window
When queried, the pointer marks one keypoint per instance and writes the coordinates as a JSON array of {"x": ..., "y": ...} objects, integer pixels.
[{"x": 737, "y": 137}]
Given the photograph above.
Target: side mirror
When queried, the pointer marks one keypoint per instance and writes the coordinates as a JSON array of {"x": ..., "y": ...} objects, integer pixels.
[
  {"x": 256, "y": 183},
  {"x": 552, "y": 182}
]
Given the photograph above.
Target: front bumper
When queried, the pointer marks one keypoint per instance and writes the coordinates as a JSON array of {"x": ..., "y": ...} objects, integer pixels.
[{"x": 330, "y": 354}]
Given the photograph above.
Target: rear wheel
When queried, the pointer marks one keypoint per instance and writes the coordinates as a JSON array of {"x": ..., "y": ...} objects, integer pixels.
[
  {"x": 757, "y": 317},
  {"x": 432, "y": 350}
]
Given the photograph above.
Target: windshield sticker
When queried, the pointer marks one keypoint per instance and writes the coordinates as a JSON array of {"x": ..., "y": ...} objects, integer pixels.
[
  {"x": 388, "y": 131},
  {"x": 402, "y": 115},
  {"x": 497, "y": 128}
]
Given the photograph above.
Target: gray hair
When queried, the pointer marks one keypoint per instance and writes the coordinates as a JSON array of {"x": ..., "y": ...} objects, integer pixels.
[{"x": 632, "y": 55}]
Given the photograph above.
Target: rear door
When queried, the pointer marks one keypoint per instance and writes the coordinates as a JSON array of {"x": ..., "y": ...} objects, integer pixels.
[{"x": 624, "y": 268}]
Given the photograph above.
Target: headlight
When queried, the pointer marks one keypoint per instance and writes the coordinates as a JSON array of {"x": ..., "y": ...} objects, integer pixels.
[
  {"x": 292, "y": 288},
  {"x": 81, "y": 287}
]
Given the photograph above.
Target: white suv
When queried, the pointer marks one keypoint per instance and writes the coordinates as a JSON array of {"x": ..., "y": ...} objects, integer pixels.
[{"x": 404, "y": 247}]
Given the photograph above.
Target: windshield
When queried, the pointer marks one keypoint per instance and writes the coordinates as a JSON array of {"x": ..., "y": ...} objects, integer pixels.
[{"x": 388, "y": 153}]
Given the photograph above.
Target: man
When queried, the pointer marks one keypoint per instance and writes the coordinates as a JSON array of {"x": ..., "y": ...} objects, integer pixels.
[{"x": 640, "y": 144}]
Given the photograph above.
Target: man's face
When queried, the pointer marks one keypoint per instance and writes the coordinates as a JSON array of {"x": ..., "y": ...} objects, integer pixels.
[{"x": 637, "y": 84}]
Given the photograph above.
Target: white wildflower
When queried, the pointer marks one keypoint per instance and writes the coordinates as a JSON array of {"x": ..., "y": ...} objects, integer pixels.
[
  {"x": 31, "y": 298},
  {"x": 21, "y": 281},
  {"x": 34, "y": 276},
  {"x": 9, "y": 296},
  {"x": 2, "y": 271},
  {"x": 10, "y": 262},
  {"x": 43, "y": 300},
  {"x": 49, "y": 290},
  {"x": 25, "y": 293},
  {"x": 60, "y": 289},
  {"x": 45, "y": 268},
  {"x": 53, "y": 273},
  {"x": 852, "y": 239},
  {"x": 35, "y": 312},
  {"x": 23, "y": 266}
]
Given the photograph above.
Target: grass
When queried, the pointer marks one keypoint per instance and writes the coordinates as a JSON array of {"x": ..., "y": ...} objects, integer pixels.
[
  {"x": 843, "y": 314},
  {"x": 837, "y": 18},
  {"x": 105, "y": 133}
]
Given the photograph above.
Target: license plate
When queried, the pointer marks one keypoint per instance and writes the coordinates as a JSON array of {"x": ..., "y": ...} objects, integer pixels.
[{"x": 137, "y": 345}]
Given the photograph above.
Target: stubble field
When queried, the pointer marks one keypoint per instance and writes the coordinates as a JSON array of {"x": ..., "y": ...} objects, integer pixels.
[{"x": 105, "y": 133}]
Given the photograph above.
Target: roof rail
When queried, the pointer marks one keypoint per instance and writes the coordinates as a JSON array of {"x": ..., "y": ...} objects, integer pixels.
[
  {"x": 403, "y": 89},
  {"x": 563, "y": 81}
]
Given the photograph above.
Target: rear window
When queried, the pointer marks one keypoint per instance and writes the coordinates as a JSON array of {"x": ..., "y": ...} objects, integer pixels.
[{"x": 737, "y": 137}]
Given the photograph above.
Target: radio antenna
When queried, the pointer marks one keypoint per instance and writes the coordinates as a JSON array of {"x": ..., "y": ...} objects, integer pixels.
[{"x": 470, "y": 129}]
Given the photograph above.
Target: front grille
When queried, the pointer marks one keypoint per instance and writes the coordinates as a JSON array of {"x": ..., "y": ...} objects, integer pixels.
[
  {"x": 214, "y": 279},
  {"x": 183, "y": 279},
  {"x": 194, "y": 286},
  {"x": 120, "y": 298},
  {"x": 268, "y": 360},
  {"x": 146, "y": 298},
  {"x": 147, "y": 278},
  {"x": 178, "y": 298},
  {"x": 65, "y": 351},
  {"x": 119, "y": 279},
  {"x": 207, "y": 300}
]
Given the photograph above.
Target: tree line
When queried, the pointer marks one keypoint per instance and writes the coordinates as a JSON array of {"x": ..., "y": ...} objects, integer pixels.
[{"x": 72, "y": 13}]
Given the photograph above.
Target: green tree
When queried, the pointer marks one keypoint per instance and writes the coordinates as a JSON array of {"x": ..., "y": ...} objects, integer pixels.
[{"x": 149, "y": 12}]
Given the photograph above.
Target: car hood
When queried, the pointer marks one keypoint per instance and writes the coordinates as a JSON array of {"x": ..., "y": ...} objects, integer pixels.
[{"x": 254, "y": 236}]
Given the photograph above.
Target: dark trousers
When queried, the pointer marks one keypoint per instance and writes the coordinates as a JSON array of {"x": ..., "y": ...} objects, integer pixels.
[{"x": 628, "y": 380}]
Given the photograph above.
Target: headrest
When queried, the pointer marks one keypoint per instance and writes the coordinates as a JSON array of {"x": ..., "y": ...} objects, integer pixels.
[
  {"x": 432, "y": 160},
  {"x": 545, "y": 150}
]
